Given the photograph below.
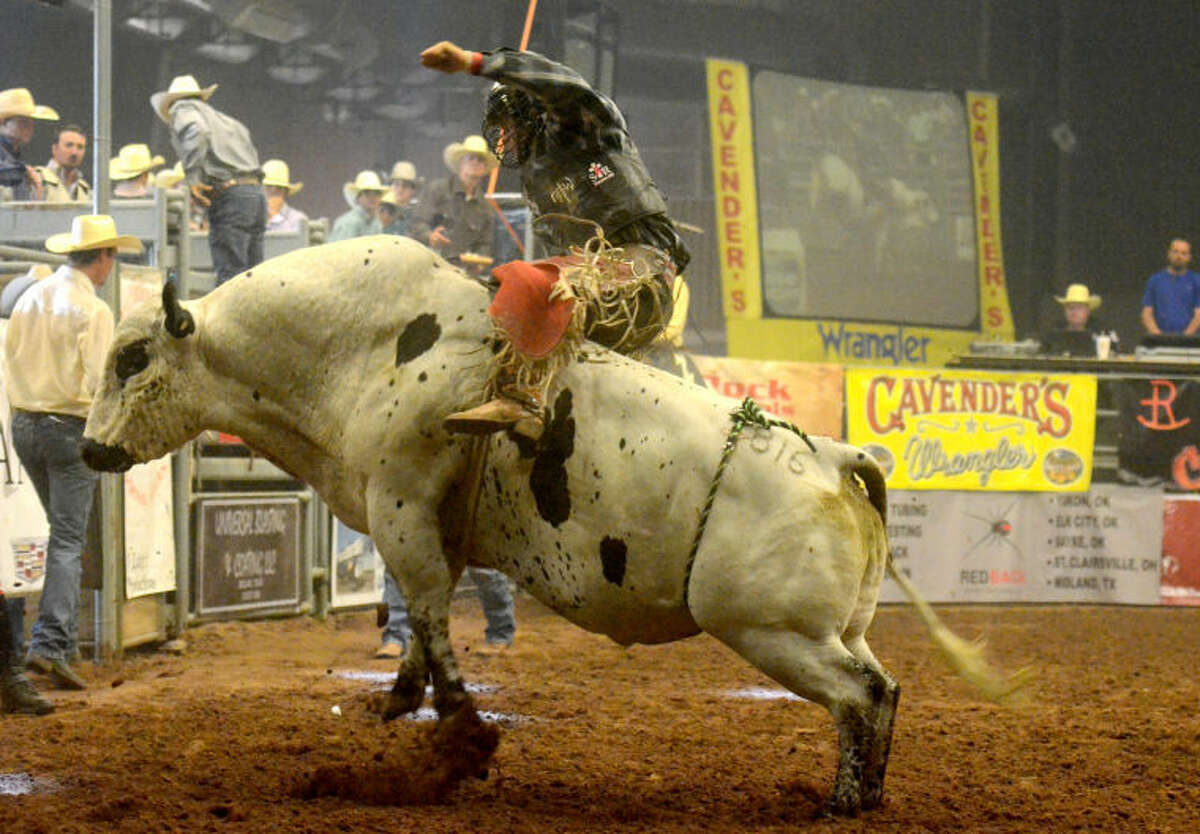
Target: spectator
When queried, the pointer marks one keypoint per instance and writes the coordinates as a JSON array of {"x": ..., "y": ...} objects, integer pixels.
[
  {"x": 277, "y": 186},
  {"x": 61, "y": 180},
  {"x": 390, "y": 215},
  {"x": 130, "y": 171},
  {"x": 170, "y": 177},
  {"x": 16, "y": 692},
  {"x": 454, "y": 217},
  {"x": 19, "y": 181},
  {"x": 363, "y": 196},
  {"x": 1077, "y": 336},
  {"x": 54, "y": 355},
  {"x": 1171, "y": 302},
  {"x": 223, "y": 173},
  {"x": 405, "y": 184},
  {"x": 494, "y": 595}
]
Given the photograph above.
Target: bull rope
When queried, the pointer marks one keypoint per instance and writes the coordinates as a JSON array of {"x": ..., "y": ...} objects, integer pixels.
[{"x": 750, "y": 413}]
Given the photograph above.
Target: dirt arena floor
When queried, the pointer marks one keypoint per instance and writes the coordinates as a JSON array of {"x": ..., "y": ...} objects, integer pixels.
[{"x": 236, "y": 733}]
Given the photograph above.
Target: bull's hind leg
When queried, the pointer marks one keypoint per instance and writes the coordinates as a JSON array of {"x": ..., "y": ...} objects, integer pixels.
[
  {"x": 886, "y": 695},
  {"x": 825, "y": 672}
]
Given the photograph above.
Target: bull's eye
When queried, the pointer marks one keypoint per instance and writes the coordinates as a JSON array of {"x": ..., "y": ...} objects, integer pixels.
[{"x": 132, "y": 359}]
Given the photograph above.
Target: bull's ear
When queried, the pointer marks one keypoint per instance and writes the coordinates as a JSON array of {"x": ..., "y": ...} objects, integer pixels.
[{"x": 179, "y": 321}]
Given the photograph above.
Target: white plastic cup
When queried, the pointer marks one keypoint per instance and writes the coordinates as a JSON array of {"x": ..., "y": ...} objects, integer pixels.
[{"x": 1103, "y": 346}]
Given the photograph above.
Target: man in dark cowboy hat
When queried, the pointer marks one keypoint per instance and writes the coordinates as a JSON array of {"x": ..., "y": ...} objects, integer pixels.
[
  {"x": 223, "y": 173},
  {"x": 577, "y": 162}
]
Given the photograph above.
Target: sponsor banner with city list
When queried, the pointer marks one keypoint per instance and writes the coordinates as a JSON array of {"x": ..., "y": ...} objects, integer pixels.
[
  {"x": 962, "y": 430},
  {"x": 804, "y": 393},
  {"x": 1099, "y": 546}
]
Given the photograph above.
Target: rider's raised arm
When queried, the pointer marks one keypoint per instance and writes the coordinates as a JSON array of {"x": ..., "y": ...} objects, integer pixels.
[{"x": 563, "y": 91}]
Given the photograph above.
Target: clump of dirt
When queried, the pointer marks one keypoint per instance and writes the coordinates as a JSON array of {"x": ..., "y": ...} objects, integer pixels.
[{"x": 457, "y": 748}]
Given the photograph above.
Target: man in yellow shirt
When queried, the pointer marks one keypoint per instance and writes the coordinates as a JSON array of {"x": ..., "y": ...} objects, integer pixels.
[{"x": 58, "y": 338}]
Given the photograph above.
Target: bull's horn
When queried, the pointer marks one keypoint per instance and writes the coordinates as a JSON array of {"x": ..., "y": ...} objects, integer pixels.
[{"x": 179, "y": 321}]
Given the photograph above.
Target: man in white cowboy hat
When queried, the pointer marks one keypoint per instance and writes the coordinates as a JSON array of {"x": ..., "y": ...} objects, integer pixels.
[
  {"x": 19, "y": 181},
  {"x": 454, "y": 217},
  {"x": 58, "y": 338},
  {"x": 405, "y": 184},
  {"x": 580, "y": 169},
  {"x": 277, "y": 186},
  {"x": 130, "y": 171},
  {"x": 363, "y": 196},
  {"x": 62, "y": 180},
  {"x": 1078, "y": 336},
  {"x": 223, "y": 173}
]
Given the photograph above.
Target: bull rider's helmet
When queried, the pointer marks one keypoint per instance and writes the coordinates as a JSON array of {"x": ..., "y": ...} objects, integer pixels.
[{"x": 511, "y": 121}]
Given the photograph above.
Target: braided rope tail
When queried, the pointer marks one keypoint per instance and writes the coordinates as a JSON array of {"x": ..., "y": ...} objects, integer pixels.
[{"x": 748, "y": 413}]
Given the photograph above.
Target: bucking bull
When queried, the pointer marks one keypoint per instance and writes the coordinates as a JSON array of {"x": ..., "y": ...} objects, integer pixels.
[{"x": 338, "y": 363}]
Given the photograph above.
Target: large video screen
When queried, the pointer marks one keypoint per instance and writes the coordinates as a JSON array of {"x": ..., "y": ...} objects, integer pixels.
[{"x": 865, "y": 201}]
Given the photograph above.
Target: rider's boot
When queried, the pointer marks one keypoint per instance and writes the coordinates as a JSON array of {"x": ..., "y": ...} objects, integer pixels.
[{"x": 519, "y": 409}]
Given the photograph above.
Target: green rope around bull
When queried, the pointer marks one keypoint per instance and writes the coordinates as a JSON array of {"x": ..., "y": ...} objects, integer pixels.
[{"x": 748, "y": 413}]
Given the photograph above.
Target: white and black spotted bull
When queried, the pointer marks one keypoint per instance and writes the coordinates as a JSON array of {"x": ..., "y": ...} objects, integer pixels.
[{"x": 339, "y": 363}]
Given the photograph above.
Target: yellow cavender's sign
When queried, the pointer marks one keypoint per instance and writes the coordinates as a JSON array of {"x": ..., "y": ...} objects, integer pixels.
[
  {"x": 961, "y": 430},
  {"x": 985, "y": 165},
  {"x": 737, "y": 199}
]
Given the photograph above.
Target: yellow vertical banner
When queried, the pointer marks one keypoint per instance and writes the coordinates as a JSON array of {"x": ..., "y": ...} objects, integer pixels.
[
  {"x": 736, "y": 198},
  {"x": 983, "y": 118}
]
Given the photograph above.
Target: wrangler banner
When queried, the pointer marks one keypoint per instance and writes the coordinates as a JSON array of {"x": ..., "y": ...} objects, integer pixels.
[
  {"x": 806, "y": 394},
  {"x": 855, "y": 225},
  {"x": 958, "y": 430}
]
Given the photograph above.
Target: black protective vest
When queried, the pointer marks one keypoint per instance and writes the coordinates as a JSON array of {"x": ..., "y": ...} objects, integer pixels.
[{"x": 567, "y": 174}]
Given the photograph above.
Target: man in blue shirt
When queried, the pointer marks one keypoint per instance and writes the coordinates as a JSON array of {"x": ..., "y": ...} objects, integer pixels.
[{"x": 1171, "y": 303}]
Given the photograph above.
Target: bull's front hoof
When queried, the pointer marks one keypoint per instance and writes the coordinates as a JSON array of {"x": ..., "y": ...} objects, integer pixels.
[
  {"x": 398, "y": 704},
  {"x": 845, "y": 806}
]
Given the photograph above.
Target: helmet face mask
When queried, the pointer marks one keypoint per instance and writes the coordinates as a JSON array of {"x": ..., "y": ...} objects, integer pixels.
[{"x": 511, "y": 121}]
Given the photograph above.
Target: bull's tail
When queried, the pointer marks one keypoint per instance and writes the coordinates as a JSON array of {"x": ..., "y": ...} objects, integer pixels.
[{"x": 964, "y": 657}]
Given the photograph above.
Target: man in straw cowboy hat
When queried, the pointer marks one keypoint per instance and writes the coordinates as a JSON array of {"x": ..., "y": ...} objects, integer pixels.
[
  {"x": 58, "y": 337},
  {"x": 405, "y": 184},
  {"x": 223, "y": 173},
  {"x": 130, "y": 171},
  {"x": 1080, "y": 331},
  {"x": 363, "y": 196},
  {"x": 19, "y": 181},
  {"x": 277, "y": 186},
  {"x": 453, "y": 217},
  {"x": 61, "y": 178},
  {"x": 611, "y": 279}
]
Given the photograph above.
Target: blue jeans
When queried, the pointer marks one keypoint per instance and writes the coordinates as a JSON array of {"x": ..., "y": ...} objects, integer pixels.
[
  {"x": 494, "y": 595},
  {"x": 237, "y": 221},
  {"x": 48, "y": 447}
]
